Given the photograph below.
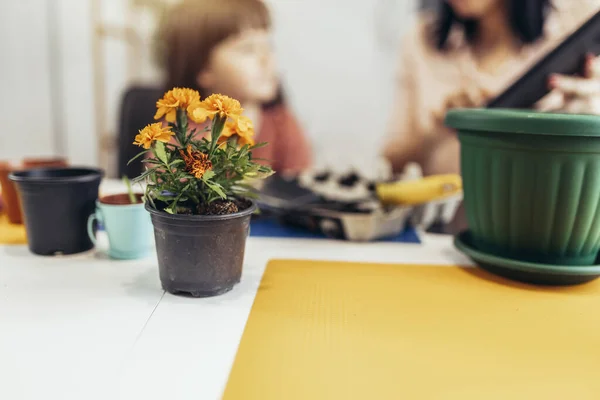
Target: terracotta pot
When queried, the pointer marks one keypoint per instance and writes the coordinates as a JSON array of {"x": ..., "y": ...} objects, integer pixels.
[
  {"x": 121, "y": 199},
  {"x": 10, "y": 198},
  {"x": 41, "y": 162}
]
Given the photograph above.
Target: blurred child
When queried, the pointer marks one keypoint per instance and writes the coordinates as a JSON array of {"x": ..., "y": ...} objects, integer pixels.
[{"x": 224, "y": 46}]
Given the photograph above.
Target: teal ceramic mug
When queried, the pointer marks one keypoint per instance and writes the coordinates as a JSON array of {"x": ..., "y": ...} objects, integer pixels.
[{"x": 128, "y": 226}]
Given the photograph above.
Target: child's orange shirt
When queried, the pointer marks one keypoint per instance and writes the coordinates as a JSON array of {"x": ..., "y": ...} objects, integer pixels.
[{"x": 288, "y": 150}]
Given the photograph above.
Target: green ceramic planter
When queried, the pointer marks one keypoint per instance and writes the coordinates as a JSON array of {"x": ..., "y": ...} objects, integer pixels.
[{"x": 531, "y": 183}]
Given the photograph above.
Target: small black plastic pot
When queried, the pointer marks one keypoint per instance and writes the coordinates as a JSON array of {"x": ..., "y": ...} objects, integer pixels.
[
  {"x": 200, "y": 255},
  {"x": 56, "y": 205}
]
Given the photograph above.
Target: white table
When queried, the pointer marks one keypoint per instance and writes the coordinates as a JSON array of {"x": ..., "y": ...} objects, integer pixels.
[{"x": 85, "y": 327}]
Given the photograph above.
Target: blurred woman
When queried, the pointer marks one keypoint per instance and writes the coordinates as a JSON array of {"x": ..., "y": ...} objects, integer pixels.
[{"x": 469, "y": 53}]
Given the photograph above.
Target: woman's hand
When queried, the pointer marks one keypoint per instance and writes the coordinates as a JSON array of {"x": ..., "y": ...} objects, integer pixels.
[
  {"x": 443, "y": 157},
  {"x": 469, "y": 97},
  {"x": 578, "y": 95}
]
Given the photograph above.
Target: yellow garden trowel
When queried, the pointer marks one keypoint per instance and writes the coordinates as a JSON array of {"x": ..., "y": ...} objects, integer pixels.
[{"x": 419, "y": 191}]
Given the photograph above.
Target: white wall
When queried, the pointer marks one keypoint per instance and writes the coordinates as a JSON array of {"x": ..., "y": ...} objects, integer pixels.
[
  {"x": 95, "y": 72},
  {"x": 26, "y": 124},
  {"x": 337, "y": 59},
  {"x": 75, "y": 81}
]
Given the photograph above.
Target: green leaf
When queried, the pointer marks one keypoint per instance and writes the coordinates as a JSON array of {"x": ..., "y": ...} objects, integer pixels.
[
  {"x": 138, "y": 156},
  {"x": 191, "y": 135},
  {"x": 215, "y": 187},
  {"x": 132, "y": 198},
  {"x": 143, "y": 175},
  {"x": 263, "y": 175},
  {"x": 262, "y": 159},
  {"x": 181, "y": 118},
  {"x": 171, "y": 147},
  {"x": 161, "y": 152},
  {"x": 244, "y": 150},
  {"x": 208, "y": 175},
  {"x": 219, "y": 190},
  {"x": 152, "y": 161},
  {"x": 259, "y": 145},
  {"x": 149, "y": 199},
  {"x": 245, "y": 186},
  {"x": 247, "y": 194},
  {"x": 168, "y": 210},
  {"x": 160, "y": 197},
  {"x": 217, "y": 128},
  {"x": 265, "y": 169}
]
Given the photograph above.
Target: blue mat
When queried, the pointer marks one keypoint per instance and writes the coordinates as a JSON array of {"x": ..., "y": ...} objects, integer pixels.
[
  {"x": 272, "y": 228},
  {"x": 267, "y": 227}
]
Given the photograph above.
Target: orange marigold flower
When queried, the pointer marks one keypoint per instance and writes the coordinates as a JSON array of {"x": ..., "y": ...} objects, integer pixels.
[
  {"x": 151, "y": 133},
  {"x": 244, "y": 124},
  {"x": 174, "y": 99},
  {"x": 242, "y": 128},
  {"x": 196, "y": 162},
  {"x": 215, "y": 104}
]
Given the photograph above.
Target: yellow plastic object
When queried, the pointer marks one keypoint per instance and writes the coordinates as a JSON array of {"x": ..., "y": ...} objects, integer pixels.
[
  {"x": 322, "y": 331},
  {"x": 11, "y": 233},
  {"x": 413, "y": 192}
]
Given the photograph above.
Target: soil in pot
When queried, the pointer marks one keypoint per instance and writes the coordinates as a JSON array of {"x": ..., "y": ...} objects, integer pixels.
[
  {"x": 10, "y": 197},
  {"x": 223, "y": 207},
  {"x": 121, "y": 199},
  {"x": 56, "y": 206},
  {"x": 201, "y": 255}
]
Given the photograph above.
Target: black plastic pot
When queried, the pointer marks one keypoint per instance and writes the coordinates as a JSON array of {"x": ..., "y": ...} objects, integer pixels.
[
  {"x": 200, "y": 255},
  {"x": 56, "y": 205}
]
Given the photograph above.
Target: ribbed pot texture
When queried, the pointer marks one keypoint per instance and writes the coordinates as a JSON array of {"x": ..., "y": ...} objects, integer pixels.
[{"x": 533, "y": 197}]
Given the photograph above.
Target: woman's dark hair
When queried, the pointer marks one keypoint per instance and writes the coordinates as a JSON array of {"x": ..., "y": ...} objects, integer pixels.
[{"x": 527, "y": 19}]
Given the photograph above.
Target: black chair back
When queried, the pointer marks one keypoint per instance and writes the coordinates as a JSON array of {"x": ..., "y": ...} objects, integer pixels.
[{"x": 137, "y": 110}]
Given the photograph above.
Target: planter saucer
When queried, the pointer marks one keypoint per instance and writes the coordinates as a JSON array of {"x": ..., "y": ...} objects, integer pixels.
[{"x": 528, "y": 272}]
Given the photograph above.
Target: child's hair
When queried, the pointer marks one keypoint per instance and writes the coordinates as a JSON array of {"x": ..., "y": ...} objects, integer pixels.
[{"x": 192, "y": 29}]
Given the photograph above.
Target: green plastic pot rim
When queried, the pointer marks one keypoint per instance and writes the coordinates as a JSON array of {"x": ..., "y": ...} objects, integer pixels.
[
  {"x": 527, "y": 122},
  {"x": 200, "y": 218}
]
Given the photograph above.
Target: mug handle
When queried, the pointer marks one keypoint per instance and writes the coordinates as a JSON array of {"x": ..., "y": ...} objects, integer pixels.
[{"x": 95, "y": 216}]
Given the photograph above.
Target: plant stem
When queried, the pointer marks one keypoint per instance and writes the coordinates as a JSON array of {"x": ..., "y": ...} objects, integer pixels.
[
  {"x": 181, "y": 127},
  {"x": 217, "y": 127},
  {"x": 132, "y": 198}
]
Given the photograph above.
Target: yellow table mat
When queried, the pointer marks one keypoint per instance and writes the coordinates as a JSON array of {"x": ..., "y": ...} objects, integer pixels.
[
  {"x": 11, "y": 233},
  {"x": 322, "y": 330}
]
